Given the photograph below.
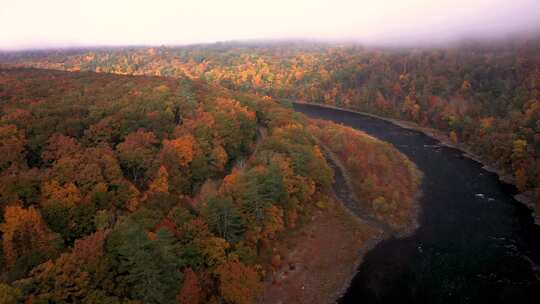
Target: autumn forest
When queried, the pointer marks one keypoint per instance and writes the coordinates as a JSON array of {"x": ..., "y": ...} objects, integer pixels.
[
  {"x": 483, "y": 95},
  {"x": 184, "y": 175}
]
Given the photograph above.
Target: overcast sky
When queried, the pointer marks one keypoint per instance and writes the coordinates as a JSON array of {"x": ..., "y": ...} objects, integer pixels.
[{"x": 51, "y": 23}]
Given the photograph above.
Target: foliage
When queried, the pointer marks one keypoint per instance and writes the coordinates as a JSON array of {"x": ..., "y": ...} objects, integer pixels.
[
  {"x": 146, "y": 269},
  {"x": 386, "y": 182},
  {"x": 122, "y": 189},
  {"x": 26, "y": 237},
  {"x": 239, "y": 283},
  {"x": 9, "y": 295},
  {"x": 483, "y": 95},
  {"x": 224, "y": 219},
  {"x": 190, "y": 292}
]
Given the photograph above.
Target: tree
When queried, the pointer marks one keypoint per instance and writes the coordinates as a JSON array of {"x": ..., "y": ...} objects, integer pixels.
[
  {"x": 190, "y": 292},
  {"x": 161, "y": 182},
  {"x": 214, "y": 249},
  {"x": 136, "y": 154},
  {"x": 453, "y": 137},
  {"x": 224, "y": 219},
  {"x": 167, "y": 224},
  {"x": 58, "y": 218},
  {"x": 12, "y": 147},
  {"x": 235, "y": 126},
  {"x": 238, "y": 283},
  {"x": 92, "y": 169},
  {"x": 263, "y": 187},
  {"x": 519, "y": 149},
  {"x": 21, "y": 186},
  {"x": 9, "y": 295},
  {"x": 521, "y": 179},
  {"x": 65, "y": 212},
  {"x": 26, "y": 236},
  {"x": 107, "y": 130},
  {"x": 67, "y": 195},
  {"x": 177, "y": 156},
  {"x": 180, "y": 216},
  {"x": 59, "y": 146},
  {"x": 90, "y": 249},
  {"x": 274, "y": 222},
  {"x": 411, "y": 108},
  {"x": 219, "y": 158},
  {"x": 70, "y": 278},
  {"x": 102, "y": 220},
  {"x": 181, "y": 149},
  {"x": 147, "y": 269}
]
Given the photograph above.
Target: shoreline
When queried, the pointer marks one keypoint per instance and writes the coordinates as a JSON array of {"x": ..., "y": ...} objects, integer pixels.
[
  {"x": 408, "y": 230},
  {"x": 387, "y": 231},
  {"x": 444, "y": 140},
  {"x": 363, "y": 236},
  {"x": 369, "y": 244},
  {"x": 340, "y": 238}
]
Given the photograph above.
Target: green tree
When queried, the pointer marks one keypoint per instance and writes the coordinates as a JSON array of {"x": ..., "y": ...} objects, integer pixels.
[
  {"x": 147, "y": 269},
  {"x": 263, "y": 188},
  {"x": 224, "y": 219}
]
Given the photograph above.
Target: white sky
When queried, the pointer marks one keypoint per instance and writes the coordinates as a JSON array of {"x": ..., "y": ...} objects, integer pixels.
[{"x": 49, "y": 23}]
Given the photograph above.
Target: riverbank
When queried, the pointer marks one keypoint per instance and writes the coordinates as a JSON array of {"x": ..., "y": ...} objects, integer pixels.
[
  {"x": 316, "y": 263},
  {"x": 468, "y": 248},
  {"x": 445, "y": 140},
  {"x": 385, "y": 183},
  {"x": 352, "y": 202}
]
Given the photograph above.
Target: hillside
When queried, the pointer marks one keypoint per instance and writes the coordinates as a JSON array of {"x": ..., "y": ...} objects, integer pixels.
[
  {"x": 482, "y": 95},
  {"x": 130, "y": 189}
]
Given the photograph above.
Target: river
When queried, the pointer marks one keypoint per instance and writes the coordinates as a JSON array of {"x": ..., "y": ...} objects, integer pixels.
[{"x": 475, "y": 242}]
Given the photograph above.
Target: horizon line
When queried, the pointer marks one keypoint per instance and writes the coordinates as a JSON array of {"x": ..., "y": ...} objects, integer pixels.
[{"x": 414, "y": 43}]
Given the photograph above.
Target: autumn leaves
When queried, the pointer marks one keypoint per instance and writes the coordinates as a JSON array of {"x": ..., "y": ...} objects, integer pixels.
[{"x": 152, "y": 190}]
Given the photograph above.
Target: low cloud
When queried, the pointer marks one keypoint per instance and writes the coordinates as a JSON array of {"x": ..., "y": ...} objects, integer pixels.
[{"x": 36, "y": 23}]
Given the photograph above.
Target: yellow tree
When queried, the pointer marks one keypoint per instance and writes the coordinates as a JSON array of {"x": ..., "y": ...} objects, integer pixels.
[
  {"x": 12, "y": 142},
  {"x": 183, "y": 148},
  {"x": 25, "y": 233},
  {"x": 67, "y": 195},
  {"x": 238, "y": 283},
  {"x": 453, "y": 137},
  {"x": 521, "y": 179},
  {"x": 161, "y": 183}
]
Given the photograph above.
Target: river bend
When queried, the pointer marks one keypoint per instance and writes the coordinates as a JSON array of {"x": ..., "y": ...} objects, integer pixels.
[{"x": 475, "y": 243}]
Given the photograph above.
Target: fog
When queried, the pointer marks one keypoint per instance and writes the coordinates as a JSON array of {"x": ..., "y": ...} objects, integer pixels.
[{"x": 63, "y": 23}]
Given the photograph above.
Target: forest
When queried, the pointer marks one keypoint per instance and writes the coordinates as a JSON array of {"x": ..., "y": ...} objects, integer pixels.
[
  {"x": 145, "y": 189},
  {"x": 484, "y": 95}
]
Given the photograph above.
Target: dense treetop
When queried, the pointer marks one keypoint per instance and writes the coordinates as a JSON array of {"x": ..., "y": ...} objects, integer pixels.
[
  {"x": 137, "y": 189},
  {"x": 485, "y": 95},
  {"x": 111, "y": 187}
]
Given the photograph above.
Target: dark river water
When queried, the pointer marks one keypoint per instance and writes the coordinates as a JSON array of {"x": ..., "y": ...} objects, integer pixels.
[{"x": 475, "y": 243}]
